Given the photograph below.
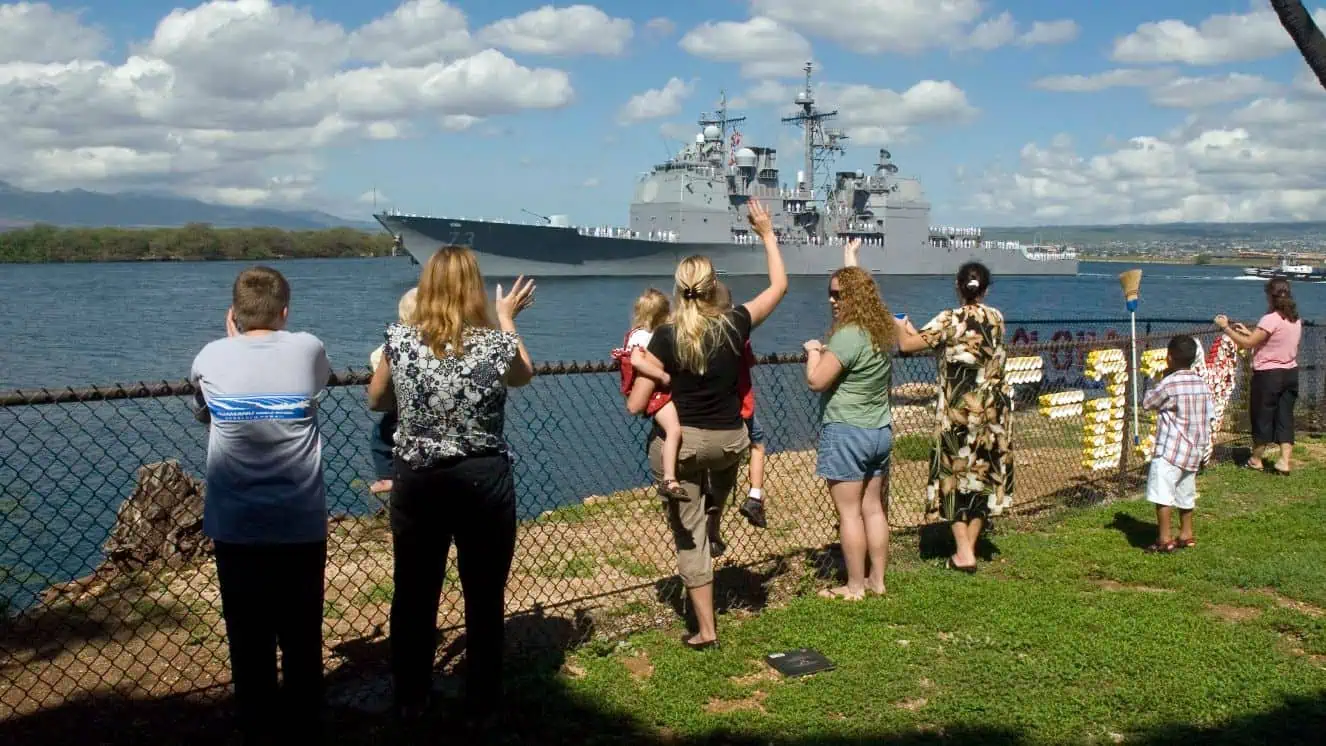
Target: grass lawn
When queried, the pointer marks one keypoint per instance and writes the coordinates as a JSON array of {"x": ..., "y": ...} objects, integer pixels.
[{"x": 1071, "y": 635}]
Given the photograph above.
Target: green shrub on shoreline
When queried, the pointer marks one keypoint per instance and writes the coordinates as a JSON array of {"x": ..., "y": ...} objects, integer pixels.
[{"x": 193, "y": 242}]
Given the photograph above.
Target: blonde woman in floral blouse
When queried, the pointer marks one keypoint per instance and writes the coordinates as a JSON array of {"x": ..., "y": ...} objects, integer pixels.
[{"x": 971, "y": 468}]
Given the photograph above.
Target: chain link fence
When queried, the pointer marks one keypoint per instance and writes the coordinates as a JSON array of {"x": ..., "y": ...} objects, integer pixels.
[{"x": 103, "y": 486}]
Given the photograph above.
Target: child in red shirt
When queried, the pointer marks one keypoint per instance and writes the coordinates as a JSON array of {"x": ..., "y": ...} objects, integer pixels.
[
  {"x": 753, "y": 507},
  {"x": 650, "y": 312}
]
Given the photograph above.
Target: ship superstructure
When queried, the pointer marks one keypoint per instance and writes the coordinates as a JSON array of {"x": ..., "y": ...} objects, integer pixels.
[{"x": 695, "y": 203}]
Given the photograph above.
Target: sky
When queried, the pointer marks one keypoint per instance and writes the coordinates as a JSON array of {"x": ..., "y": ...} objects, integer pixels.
[{"x": 1021, "y": 112}]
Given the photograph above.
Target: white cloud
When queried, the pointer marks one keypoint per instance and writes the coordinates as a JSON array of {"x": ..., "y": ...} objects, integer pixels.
[
  {"x": 1050, "y": 32},
  {"x": 1165, "y": 87},
  {"x": 233, "y": 100},
  {"x": 766, "y": 93},
  {"x": 459, "y": 122},
  {"x": 656, "y": 103},
  {"x": 660, "y": 27},
  {"x": 1263, "y": 161},
  {"x": 36, "y": 32},
  {"x": 374, "y": 197},
  {"x": 993, "y": 33},
  {"x": 1121, "y": 78},
  {"x": 417, "y": 32},
  {"x": 1217, "y": 40},
  {"x": 869, "y": 115},
  {"x": 763, "y": 47},
  {"x": 878, "y": 116},
  {"x": 1196, "y": 93},
  {"x": 909, "y": 26},
  {"x": 590, "y": 183},
  {"x": 578, "y": 29}
]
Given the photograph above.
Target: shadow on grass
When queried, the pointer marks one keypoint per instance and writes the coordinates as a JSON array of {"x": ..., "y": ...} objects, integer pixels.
[
  {"x": 541, "y": 710},
  {"x": 1140, "y": 534}
]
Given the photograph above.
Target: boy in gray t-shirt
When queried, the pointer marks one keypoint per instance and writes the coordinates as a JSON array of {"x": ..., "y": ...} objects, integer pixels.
[{"x": 266, "y": 506}]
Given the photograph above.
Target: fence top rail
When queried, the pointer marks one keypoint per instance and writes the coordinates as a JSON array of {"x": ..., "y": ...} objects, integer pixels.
[{"x": 361, "y": 376}]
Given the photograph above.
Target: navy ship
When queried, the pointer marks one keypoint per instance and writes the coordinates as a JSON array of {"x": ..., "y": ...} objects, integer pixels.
[{"x": 695, "y": 203}]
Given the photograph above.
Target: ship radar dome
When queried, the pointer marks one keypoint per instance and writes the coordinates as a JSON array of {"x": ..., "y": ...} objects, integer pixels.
[
  {"x": 745, "y": 158},
  {"x": 712, "y": 133}
]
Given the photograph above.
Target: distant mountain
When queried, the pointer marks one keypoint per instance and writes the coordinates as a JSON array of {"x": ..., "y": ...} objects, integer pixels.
[{"x": 80, "y": 208}]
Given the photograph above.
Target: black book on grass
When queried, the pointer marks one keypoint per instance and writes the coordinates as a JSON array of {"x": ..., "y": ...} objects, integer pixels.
[{"x": 799, "y": 662}]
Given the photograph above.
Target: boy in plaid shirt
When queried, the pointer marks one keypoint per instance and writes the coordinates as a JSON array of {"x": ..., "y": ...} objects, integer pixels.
[{"x": 1183, "y": 405}]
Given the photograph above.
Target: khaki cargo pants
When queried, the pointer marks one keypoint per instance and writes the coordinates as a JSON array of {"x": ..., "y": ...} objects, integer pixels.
[{"x": 711, "y": 457}]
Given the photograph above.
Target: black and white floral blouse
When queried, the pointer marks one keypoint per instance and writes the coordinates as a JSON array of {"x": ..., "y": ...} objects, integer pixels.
[{"x": 452, "y": 407}]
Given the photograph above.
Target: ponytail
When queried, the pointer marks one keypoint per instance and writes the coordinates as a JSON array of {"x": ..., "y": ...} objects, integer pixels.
[
  {"x": 1281, "y": 300},
  {"x": 699, "y": 323},
  {"x": 973, "y": 282}
]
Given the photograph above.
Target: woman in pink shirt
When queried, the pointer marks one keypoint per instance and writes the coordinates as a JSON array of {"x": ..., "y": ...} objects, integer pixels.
[{"x": 1274, "y": 387}]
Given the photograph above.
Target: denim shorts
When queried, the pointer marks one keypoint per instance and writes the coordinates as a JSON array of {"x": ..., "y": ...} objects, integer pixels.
[
  {"x": 853, "y": 454},
  {"x": 754, "y": 430}
]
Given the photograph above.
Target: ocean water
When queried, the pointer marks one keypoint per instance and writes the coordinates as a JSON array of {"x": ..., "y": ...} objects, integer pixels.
[
  {"x": 79, "y": 324},
  {"x": 64, "y": 469}
]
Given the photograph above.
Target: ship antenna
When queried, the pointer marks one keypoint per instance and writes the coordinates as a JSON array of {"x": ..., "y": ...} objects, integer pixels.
[
  {"x": 723, "y": 121},
  {"x": 821, "y": 144},
  {"x": 544, "y": 218}
]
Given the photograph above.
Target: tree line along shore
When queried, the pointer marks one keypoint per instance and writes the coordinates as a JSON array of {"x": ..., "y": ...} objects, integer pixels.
[{"x": 193, "y": 242}]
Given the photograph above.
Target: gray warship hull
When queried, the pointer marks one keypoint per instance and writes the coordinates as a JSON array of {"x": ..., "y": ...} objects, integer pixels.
[{"x": 511, "y": 249}]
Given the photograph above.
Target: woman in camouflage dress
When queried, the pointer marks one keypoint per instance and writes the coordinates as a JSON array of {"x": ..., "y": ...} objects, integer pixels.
[{"x": 971, "y": 467}]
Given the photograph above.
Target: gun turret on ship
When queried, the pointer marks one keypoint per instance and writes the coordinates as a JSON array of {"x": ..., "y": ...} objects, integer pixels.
[{"x": 695, "y": 203}]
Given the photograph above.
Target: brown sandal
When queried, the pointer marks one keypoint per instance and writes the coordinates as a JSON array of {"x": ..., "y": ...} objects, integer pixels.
[
  {"x": 1184, "y": 543},
  {"x": 1161, "y": 548},
  {"x": 671, "y": 489}
]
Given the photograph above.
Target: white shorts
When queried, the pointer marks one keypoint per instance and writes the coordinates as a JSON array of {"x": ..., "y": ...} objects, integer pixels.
[{"x": 1169, "y": 485}]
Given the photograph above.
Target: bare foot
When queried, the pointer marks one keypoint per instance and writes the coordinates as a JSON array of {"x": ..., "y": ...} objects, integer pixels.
[
  {"x": 842, "y": 592},
  {"x": 701, "y": 642},
  {"x": 879, "y": 590},
  {"x": 380, "y": 486}
]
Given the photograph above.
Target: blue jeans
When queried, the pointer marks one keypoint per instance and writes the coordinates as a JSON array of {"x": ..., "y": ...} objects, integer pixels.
[
  {"x": 380, "y": 442},
  {"x": 853, "y": 454}
]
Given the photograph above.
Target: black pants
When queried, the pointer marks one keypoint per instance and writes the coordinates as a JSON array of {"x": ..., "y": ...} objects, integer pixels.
[
  {"x": 271, "y": 596},
  {"x": 473, "y": 502},
  {"x": 1271, "y": 399}
]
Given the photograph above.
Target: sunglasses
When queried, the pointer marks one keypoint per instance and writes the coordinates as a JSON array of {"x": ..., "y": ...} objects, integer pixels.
[{"x": 835, "y": 294}]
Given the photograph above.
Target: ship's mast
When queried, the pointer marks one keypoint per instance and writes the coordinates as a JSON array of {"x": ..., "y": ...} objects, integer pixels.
[
  {"x": 821, "y": 144},
  {"x": 721, "y": 120}
]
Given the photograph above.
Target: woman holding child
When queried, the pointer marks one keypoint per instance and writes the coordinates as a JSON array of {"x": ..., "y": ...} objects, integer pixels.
[
  {"x": 971, "y": 467},
  {"x": 700, "y": 353},
  {"x": 853, "y": 372},
  {"x": 447, "y": 373}
]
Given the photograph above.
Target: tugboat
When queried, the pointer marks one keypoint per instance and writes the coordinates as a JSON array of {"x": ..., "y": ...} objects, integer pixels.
[{"x": 1288, "y": 271}]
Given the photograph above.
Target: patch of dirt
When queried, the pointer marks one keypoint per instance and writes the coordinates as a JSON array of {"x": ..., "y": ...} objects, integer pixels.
[
  {"x": 765, "y": 673},
  {"x": 753, "y": 703},
  {"x": 911, "y": 705},
  {"x": 639, "y": 666},
  {"x": 573, "y": 671},
  {"x": 1294, "y": 643},
  {"x": 1105, "y": 584},
  {"x": 1234, "y": 613},
  {"x": 1285, "y": 602},
  {"x": 926, "y": 683}
]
